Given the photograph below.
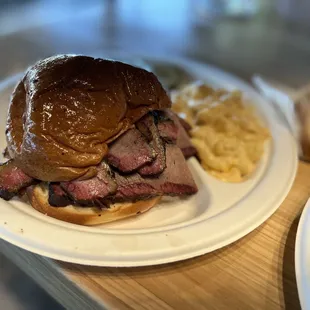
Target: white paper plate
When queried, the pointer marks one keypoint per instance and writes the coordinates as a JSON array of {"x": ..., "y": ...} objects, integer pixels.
[
  {"x": 218, "y": 215},
  {"x": 302, "y": 258}
]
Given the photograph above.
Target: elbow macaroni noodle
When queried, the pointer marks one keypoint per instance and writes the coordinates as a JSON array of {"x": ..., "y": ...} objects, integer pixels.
[{"x": 226, "y": 132}]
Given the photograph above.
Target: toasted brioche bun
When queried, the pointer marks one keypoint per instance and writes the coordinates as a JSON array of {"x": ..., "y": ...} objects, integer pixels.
[
  {"x": 88, "y": 216},
  {"x": 95, "y": 99}
]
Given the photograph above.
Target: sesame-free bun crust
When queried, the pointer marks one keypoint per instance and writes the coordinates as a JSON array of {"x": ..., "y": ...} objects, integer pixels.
[
  {"x": 68, "y": 107},
  {"x": 88, "y": 216}
]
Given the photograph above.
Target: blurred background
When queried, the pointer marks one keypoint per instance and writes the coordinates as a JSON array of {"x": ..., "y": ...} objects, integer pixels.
[
  {"x": 271, "y": 37},
  {"x": 244, "y": 37}
]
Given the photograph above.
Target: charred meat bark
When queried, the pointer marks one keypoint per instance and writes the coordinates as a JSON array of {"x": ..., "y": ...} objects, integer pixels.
[
  {"x": 148, "y": 127},
  {"x": 57, "y": 197}
]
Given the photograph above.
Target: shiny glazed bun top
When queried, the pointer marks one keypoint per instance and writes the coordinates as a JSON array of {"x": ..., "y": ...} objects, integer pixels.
[{"x": 67, "y": 107}]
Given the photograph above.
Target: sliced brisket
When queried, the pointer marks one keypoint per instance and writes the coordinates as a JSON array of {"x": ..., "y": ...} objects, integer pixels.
[
  {"x": 133, "y": 187},
  {"x": 155, "y": 168},
  {"x": 189, "y": 151},
  {"x": 57, "y": 197},
  {"x": 12, "y": 180},
  {"x": 168, "y": 130},
  {"x": 176, "y": 180},
  {"x": 159, "y": 164},
  {"x": 144, "y": 126},
  {"x": 185, "y": 124},
  {"x": 166, "y": 127},
  {"x": 183, "y": 139},
  {"x": 91, "y": 191},
  {"x": 148, "y": 127},
  {"x": 130, "y": 151}
]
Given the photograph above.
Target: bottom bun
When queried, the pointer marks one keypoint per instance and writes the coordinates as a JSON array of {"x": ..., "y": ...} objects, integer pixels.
[{"x": 88, "y": 216}]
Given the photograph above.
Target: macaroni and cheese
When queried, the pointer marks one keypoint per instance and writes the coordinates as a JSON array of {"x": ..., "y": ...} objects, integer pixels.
[{"x": 226, "y": 132}]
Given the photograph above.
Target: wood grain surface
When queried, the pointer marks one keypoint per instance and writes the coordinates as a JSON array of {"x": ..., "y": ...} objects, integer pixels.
[{"x": 257, "y": 272}]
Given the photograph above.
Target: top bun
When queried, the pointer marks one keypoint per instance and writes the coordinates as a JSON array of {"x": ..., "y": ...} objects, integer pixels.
[{"x": 68, "y": 107}]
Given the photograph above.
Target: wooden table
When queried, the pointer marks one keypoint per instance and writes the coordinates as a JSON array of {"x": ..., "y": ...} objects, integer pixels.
[{"x": 257, "y": 272}]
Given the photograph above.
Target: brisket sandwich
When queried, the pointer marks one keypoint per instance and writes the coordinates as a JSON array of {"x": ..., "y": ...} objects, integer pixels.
[{"x": 92, "y": 141}]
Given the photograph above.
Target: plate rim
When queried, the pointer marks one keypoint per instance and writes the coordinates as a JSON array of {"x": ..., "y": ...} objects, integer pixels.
[{"x": 180, "y": 60}]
